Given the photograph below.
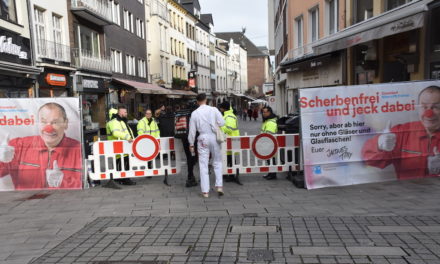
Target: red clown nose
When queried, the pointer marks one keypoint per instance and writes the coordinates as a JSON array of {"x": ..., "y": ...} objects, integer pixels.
[
  {"x": 48, "y": 129},
  {"x": 428, "y": 113}
]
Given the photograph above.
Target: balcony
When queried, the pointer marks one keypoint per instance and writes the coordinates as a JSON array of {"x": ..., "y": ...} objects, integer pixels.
[
  {"x": 95, "y": 11},
  {"x": 299, "y": 52},
  {"x": 85, "y": 59},
  {"x": 53, "y": 51}
]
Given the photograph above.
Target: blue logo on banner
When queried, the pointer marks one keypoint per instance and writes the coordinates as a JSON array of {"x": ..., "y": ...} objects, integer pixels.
[{"x": 317, "y": 170}]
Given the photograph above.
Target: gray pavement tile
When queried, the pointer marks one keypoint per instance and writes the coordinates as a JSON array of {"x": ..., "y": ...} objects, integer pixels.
[
  {"x": 376, "y": 251},
  {"x": 314, "y": 251},
  {"x": 393, "y": 229}
]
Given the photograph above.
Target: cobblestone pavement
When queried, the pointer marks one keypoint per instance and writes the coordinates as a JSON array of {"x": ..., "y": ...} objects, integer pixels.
[
  {"x": 229, "y": 240},
  {"x": 390, "y": 222}
]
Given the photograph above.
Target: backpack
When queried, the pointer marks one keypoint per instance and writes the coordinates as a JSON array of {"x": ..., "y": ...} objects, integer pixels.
[{"x": 181, "y": 124}]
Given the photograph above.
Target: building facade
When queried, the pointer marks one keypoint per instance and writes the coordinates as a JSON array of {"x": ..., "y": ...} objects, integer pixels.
[
  {"x": 50, "y": 31},
  {"x": 17, "y": 73}
]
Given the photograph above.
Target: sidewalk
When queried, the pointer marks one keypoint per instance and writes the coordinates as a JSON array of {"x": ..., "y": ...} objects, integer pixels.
[{"x": 202, "y": 230}]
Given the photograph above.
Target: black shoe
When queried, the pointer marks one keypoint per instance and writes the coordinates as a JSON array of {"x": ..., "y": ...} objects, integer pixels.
[
  {"x": 266, "y": 176},
  {"x": 228, "y": 178},
  {"x": 149, "y": 177},
  {"x": 191, "y": 183},
  {"x": 128, "y": 182},
  {"x": 271, "y": 177}
]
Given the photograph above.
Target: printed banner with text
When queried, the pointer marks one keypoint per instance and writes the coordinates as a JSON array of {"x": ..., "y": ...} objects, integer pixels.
[
  {"x": 40, "y": 144},
  {"x": 370, "y": 133}
]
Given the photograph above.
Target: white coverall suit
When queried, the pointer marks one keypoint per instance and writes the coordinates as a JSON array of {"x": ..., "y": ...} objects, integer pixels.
[{"x": 205, "y": 120}]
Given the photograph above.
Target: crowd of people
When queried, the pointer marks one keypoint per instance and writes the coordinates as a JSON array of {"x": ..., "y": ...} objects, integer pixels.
[{"x": 196, "y": 125}]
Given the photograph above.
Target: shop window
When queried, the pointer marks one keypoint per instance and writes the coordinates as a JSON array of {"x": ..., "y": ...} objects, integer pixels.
[
  {"x": 331, "y": 16},
  {"x": 362, "y": 10},
  {"x": 8, "y": 10},
  {"x": 391, "y": 4}
]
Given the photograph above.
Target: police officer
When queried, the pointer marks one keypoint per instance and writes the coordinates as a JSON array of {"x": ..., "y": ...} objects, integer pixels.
[
  {"x": 148, "y": 126},
  {"x": 118, "y": 129},
  {"x": 231, "y": 129},
  {"x": 269, "y": 126}
]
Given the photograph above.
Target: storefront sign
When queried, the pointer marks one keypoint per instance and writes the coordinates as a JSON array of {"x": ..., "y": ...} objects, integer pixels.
[
  {"x": 370, "y": 133},
  {"x": 27, "y": 128},
  {"x": 91, "y": 84},
  {"x": 14, "y": 48},
  {"x": 56, "y": 79}
]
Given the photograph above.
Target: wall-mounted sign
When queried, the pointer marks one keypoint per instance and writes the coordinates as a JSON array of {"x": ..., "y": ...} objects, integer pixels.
[
  {"x": 14, "y": 48},
  {"x": 90, "y": 84},
  {"x": 56, "y": 79}
]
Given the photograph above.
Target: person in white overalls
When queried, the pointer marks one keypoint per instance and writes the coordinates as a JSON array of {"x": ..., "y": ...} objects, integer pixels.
[{"x": 206, "y": 120}]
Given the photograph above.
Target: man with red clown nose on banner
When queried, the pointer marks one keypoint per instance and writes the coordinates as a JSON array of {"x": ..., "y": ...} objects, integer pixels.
[
  {"x": 49, "y": 160},
  {"x": 413, "y": 148}
]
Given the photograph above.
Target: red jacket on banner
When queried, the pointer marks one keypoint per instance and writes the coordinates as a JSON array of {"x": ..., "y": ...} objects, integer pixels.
[
  {"x": 410, "y": 155},
  {"x": 35, "y": 167}
]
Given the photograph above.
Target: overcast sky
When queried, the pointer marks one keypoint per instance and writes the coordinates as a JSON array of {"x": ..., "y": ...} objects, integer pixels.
[{"x": 232, "y": 15}]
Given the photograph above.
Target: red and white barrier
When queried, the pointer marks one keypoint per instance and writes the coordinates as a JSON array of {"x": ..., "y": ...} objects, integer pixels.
[
  {"x": 262, "y": 153},
  {"x": 147, "y": 156}
]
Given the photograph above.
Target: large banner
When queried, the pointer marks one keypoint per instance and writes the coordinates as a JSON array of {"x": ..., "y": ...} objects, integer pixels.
[
  {"x": 370, "y": 133},
  {"x": 40, "y": 144}
]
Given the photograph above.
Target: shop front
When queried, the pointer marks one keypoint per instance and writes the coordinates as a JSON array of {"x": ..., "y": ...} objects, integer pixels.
[
  {"x": 93, "y": 93},
  {"x": 54, "y": 83},
  {"x": 320, "y": 71},
  {"x": 384, "y": 48},
  {"x": 17, "y": 75},
  {"x": 433, "y": 43}
]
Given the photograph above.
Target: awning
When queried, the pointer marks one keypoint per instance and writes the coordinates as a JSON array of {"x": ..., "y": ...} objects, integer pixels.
[
  {"x": 183, "y": 92},
  {"x": 401, "y": 19},
  {"x": 144, "y": 88}
]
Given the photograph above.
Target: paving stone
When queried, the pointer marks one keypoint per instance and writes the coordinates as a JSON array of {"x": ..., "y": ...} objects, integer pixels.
[
  {"x": 254, "y": 229},
  {"x": 393, "y": 229},
  {"x": 315, "y": 251},
  {"x": 429, "y": 229},
  {"x": 376, "y": 251},
  {"x": 126, "y": 229},
  {"x": 178, "y": 250}
]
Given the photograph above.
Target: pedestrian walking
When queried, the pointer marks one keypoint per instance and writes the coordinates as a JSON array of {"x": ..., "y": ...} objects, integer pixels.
[
  {"x": 207, "y": 120},
  {"x": 231, "y": 129},
  {"x": 255, "y": 114},
  {"x": 244, "y": 114},
  {"x": 269, "y": 126},
  {"x": 118, "y": 129},
  {"x": 249, "y": 112}
]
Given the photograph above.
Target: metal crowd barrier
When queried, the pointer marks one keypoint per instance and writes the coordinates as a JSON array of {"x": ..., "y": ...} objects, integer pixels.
[
  {"x": 144, "y": 157},
  {"x": 264, "y": 153}
]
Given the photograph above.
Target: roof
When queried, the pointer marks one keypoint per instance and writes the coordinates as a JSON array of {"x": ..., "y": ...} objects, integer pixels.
[
  {"x": 240, "y": 38},
  {"x": 190, "y": 5},
  {"x": 207, "y": 19}
]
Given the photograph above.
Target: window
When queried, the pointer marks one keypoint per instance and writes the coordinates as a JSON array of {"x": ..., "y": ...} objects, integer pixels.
[
  {"x": 116, "y": 16},
  {"x": 128, "y": 21},
  {"x": 299, "y": 32},
  {"x": 8, "y": 10},
  {"x": 140, "y": 28},
  {"x": 130, "y": 65},
  {"x": 314, "y": 24},
  {"x": 362, "y": 10},
  {"x": 89, "y": 42},
  {"x": 40, "y": 31},
  {"x": 391, "y": 4},
  {"x": 332, "y": 16},
  {"x": 142, "y": 68},
  {"x": 116, "y": 56},
  {"x": 57, "y": 35}
]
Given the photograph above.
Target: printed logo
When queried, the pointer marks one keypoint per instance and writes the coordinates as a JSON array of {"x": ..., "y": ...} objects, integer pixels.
[{"x": 317, "y": 170}]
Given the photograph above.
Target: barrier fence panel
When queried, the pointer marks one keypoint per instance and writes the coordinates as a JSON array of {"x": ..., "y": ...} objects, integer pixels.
[
  {"x": 262, "y": 153},
  {"x": 144, "y": 157}
]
